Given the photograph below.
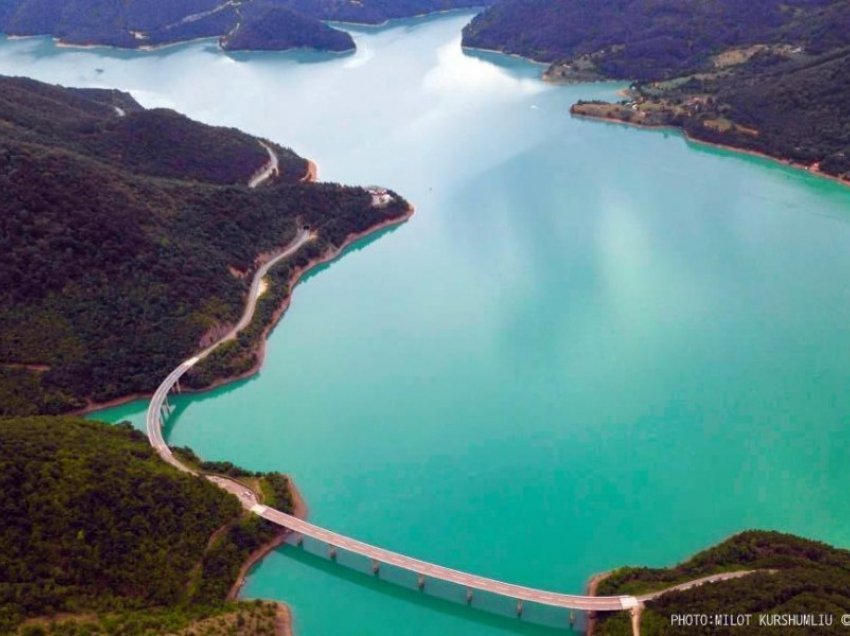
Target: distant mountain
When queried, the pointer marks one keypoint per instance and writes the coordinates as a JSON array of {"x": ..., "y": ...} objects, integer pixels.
[
  {"x": 127, "y": 235},
  {"x": 653, "y": 39},
  {"x": 242, "y": 24}
]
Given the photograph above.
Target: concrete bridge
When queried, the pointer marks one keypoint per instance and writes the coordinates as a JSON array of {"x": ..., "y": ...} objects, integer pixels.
[{"x": 159, "y": 409}]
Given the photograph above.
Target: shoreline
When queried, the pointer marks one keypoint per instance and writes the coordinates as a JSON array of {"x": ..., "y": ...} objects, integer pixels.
[
  {"x": 390, "y": 21},
  {"x": 788, "y": 163},
  {"x": 260, "y": 351},
  {"x": 297, "y": 275},
  {"x": 530, "y": 60},
  {"x": 592, "y": 589},
  {"x": 59, "y": 43}
]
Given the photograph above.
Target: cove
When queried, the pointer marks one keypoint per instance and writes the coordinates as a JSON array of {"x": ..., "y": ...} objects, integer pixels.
[{"x": 592, "y": 346}]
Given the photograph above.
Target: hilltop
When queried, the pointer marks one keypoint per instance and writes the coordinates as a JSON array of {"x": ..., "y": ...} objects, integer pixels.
[
  {"x": 378, "y": 11},
  {"x": 129, "y": 239},
  {"x": 99, "y": 530}
]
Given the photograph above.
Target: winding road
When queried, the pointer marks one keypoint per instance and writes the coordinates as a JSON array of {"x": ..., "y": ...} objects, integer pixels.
[{"x": 272, "y": 167}]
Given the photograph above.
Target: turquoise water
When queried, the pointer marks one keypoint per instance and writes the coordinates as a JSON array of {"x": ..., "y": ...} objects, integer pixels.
[{"x": 593, "y": 345}]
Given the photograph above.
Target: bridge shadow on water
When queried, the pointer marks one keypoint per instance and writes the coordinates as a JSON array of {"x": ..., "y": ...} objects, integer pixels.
[{"x": 485, "y": 609}]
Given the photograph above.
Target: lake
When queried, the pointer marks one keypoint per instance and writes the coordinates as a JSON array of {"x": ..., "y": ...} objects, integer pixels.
[{"x": 592, "y": 346}]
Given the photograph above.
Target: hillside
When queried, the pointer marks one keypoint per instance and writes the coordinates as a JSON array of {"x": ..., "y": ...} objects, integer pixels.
[
  {"x": 796, "y": 576},
  {"x": 145, "y": 23},
  {"x": 96, "y": 525},
  {"x": 112, "y": 127},
  {"x": 795, "y": 109},
  {"x": 265, "y": 25},
  {"x": 243, "y": 25},
  {"x": 109, "y": 276},
  {"x": 378, "y": 11},
  {"x": 653, "y": 39},
  {"x": 763, "y": 75}
]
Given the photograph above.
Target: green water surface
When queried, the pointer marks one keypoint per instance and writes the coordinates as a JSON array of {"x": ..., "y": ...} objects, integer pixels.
[{"x": 592, "y": 346}]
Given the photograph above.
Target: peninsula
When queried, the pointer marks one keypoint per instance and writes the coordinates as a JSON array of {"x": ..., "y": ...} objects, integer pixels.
[{"x": 111, "y": 210}]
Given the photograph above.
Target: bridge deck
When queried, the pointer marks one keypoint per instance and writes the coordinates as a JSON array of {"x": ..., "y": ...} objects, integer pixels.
[{"x": 434, "y": 571}]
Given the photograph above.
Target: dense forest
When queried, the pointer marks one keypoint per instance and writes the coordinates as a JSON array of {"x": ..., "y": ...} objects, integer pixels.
[
  {"x": 244, "y": 24},
  {"x": 96, "y": 524},
  {"x": 653, "y": 39},
  {"x": 797, "y": 576},
  {"x": 110, "y": 277}
]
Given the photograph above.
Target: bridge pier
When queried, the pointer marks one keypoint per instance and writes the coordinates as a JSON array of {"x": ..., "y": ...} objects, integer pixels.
[
  {"x": 332, "y": 553},
  {"x": 469, "y": 596},
  {"x": 572, "y": 618},
  {"x": 376, "y": 568},
  {"x": 635, "y": 612},
  {"x": 300, "y": 541},
  {"x": 519, "y": 609},
  {"x": 421, "y": 582}
]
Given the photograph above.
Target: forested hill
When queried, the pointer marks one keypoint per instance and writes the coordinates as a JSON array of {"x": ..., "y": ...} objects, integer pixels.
[
  {"x": 378, "y": 11},
  {"x": 240, "y": 24},
  {"x": 793, "y": 576},
  {"x": 763, "y": 75},
  {"x": 95, "y": 524},
  {"x": 111, "y": 275},
  {"x": 266, "y": 25},
  {"x": 144, "y": 23},
  {"x": 654, "y": 39},
  {"x": 110, "y": 126}
]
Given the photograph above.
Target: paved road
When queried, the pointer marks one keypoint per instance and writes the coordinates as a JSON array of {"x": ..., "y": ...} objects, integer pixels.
[
  {"x": 272, "y": 167},
  {"x": 158, "y": 403},
  {"x": 434, "y": 571}
]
